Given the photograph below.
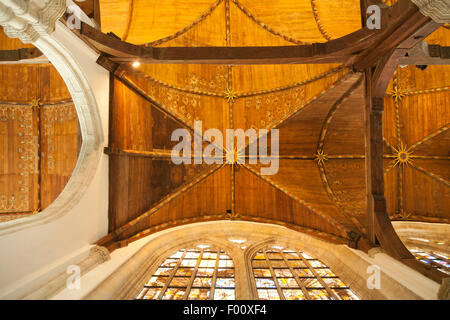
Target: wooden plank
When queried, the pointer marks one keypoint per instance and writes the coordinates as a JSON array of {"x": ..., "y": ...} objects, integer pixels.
[{"x": 19, "y": 54}]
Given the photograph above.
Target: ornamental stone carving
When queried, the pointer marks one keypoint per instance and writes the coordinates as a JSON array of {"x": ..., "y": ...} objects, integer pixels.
[{"x": 28, "y": 20}]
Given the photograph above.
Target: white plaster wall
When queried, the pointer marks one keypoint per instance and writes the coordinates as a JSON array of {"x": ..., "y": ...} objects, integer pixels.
[{"x": 31, "y": 256}]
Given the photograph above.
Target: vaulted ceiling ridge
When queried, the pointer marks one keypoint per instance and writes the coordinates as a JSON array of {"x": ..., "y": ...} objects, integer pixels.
[
  {"x": 266, "y": 27},
  {"x": 320, "y": 144},
  {"x": 142, "y": 74},
  {"x": 432, "y": 135},
  {"x": 187, "y": 28},
  {"x": 357, "y": 83},
  {"x": 162, "y": 203},
  {"x": 411, "y": 92},
  {"x": 322, "y": 30},
  {"x": 161, "y": 107},
  {"x": 431, "y": 175},
  {"x": 129, "y": 20},
  {"x": 346, "y": 74},
  {"x": 157, "y": 105},
  {"x": 323, "y": 75},
  {"x": 41, "y": 103},
  {"x": 302, "y": 202}
]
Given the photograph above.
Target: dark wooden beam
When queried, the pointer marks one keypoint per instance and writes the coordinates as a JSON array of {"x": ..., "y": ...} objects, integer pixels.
[
  {"x": 362, "y": 48},
  {"x": 334, "y": 51},
  {"x": 19, "y": 54},
  {"x": 307, "y": 54},
  {"x": 401, "y": 32},
  {"x": 96, "y": 13},
  {"x": 379, "y": 227},
  {"x": 424, "y": 54}
]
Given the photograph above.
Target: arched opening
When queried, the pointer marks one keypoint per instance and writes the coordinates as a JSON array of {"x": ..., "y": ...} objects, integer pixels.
[{"x": 40, "y": 138}]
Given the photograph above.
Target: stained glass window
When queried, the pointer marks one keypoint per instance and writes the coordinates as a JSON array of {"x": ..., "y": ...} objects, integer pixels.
[
  {"x": 201, "y": 273},
  {"x": 438, "y": 260},
  {"x": 283, "y": 274}
]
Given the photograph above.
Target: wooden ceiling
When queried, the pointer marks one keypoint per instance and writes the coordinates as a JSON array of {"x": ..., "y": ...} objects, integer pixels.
[
  {"x": 319, "y": 109},
  {"x": 39, "y": 136}
]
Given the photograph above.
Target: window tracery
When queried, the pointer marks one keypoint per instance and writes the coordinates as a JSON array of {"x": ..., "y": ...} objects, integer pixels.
[
  {"x": 201, "y": 273},
  {"x": 285, "y": 274}
]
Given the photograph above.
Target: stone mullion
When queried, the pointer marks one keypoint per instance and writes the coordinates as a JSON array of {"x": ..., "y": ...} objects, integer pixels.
[
  {"x": 169, "y": 280},
  {"x": 191, "y": 281},
  {"x": 319, "y": 278},
  {"x": 214, "y": 278},
  {"x": 299, "y": 282},
  {"x": 274, "y": 277}
]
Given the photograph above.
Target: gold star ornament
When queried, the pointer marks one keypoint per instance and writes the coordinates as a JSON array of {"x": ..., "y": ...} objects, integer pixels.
[
  {"x": 402, "y": 156},
  {"x": 321, "y": 157},
  {"x": 230, "y": 95}
]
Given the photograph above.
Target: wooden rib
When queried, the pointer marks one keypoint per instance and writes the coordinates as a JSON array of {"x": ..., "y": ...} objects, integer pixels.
[
  {"x": 397, "y": 33},
  {"x": 323, "y": 75},
  {"x": 324, "y": 34},
  {"x": 153, "y": 154},
  {"x": 41, "y": 103},
  {"x": 294, "y": 85},
  {"x": 396, "y": 20},
  {"x": 143, "y": 75},
  {"x": 332, "y": 196},
  {"x": 301, "y": 107},
  {"x": 400, "y": 171},
  {"x": 399, "y": 217},
  {"x": 160, "y": 107},
  {"x": 134, "y": 87},
  {"x": 312, "y": 209},
  {"x": 129, "y": 20},
  {"x": 334, "y": 109},
  {"x": 183, "y": 189},
  {"x": 396, "y": 110},
  {"x": 423, "y": 91},
  {"x": 19, "y": 54},
  {"x": 430, "y": 136},
  {"x": 187, "y": 28},
  {"x": 320, "y": 144},
  {"x": 266, "y": 27},
  {"x": 431, "y": 175}
]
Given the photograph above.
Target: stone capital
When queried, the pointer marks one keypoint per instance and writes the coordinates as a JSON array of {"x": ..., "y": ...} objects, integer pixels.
[
  {"x": 27, "y": 20},
  {"x": 101, "y": 254}
]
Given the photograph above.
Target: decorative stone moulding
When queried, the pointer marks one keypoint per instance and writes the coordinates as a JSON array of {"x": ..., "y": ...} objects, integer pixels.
[
  {"x": 26, "y": 21},
  {"x": 438, "y": 10}
]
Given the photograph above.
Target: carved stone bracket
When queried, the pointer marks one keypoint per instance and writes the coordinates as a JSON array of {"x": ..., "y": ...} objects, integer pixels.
[
  {"x": 438, "y": 10},
  {"x": 27, "y": 20}
]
